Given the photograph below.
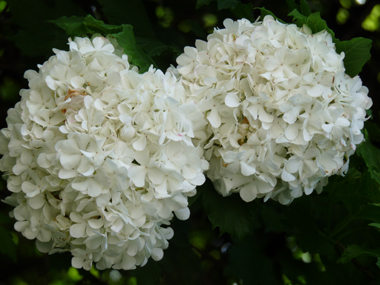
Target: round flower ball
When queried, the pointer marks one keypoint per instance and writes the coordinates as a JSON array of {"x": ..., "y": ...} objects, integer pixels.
[
  {"x": 283, "y": 115},
  {"x": 98, "y": 156}
]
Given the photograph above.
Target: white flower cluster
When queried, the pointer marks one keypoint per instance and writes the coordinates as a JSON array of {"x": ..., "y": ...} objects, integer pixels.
[
  {"x": 98, "y": 157},
  {"x": 283, "y": 115}
]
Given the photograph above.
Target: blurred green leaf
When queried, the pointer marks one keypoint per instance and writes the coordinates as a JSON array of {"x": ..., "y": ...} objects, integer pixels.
[
  {"x": 201, "y": 3},
  {"x": 353, "y": 251},
  {"x": 73, "y": 26},
  {"x": 303, "y": 8},
  {"x": 265, "y": 12},
  {"x": 152, "y": 47},
  {"x": 231, "y": 214},
  {"x": 313, "y": 21},
  {"x": 99, "y": 26},
  {"x": 371, "y": 156},
  {"x": 82, "y": 26},
  {"x": 8, "y": 247},
  {"x": 227, "y": 4},
  {"x": 244, "y": 11},
  {"x": 130, "y": 12},
  {"x": 357, "y": 53},
  {"x": 136, "y": 55}
]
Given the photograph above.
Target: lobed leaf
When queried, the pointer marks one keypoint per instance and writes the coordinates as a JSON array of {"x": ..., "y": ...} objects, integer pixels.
[
  {"x": 73, "y": 26},
  {"x": 231, "y": 214},
  {"x": 353, "y": 251},
  {"x": 357, "y": 53},
  {"x": 136, "y": 55}
]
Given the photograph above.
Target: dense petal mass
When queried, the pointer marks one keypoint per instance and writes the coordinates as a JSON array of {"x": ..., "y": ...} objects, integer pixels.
[
  {"x": 283, "y": 115},
  {"x": 100, "y": 157}
]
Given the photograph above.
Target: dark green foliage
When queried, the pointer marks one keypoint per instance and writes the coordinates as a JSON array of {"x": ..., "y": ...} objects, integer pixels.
[
  {"x": 128, "y": 12},
  {"x": 230, "y": 214},
  {"x": 331, "y": 238},
  {"x": 126, "y": 40},
  {"x": 357, "y": 53},
  {"x": 8, "y": 247},
  {"x": 265, "y": 12}
]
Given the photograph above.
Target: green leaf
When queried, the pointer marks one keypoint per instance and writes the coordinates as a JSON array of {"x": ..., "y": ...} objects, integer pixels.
[
  {"x": 79, "y": 26},
  {"x": 357, "y": 53},
  {"x": 201, "y": 3},
  {"x": 136, "y": 55},
  {"x": 303, "y": 8},
  {"x": 371, "y": 156},
  {"x": 353, "y": 251},
  {"x": 99, "y": 26},
  {"x": 313, "y": 21},
  {"x": 231, "y": 214},
  {"x": 376, "y": 225},
  {"x": 152, "y": 47},
  {"x": 244, "y": 11},
  {"x": 227, "y": 4},
  {"x": 8, "y": 247},
  {"x": 265, "y": 12},
  {"x": 291, "y": 5},
  {"x": 130, "y": 12},
  {"x": 73, "y": 26}
]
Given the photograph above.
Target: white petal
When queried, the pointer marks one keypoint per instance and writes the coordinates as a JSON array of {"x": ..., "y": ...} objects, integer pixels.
[
  {"x": 182, "y": 214},
  {"x": 246, "y": 169},
  {"x": 155, "y": 175},
  {"x": 77, "y": 262},
  {"x": 157, "y": 254},
  {"x": 140, "y": 143},
  {"x": 96, "y": 223},
  {"x": 37, "y": 201},
  {"x": 248, "y": 193},
  {"x": 77, "y": 230},
  {"x": 137, "y": 175},
  {"x": 327, "y": 127},
  {"x": 286, "y": 176},
  {"x": 291, "y": 132},
  {"x": 232, "y": 100},
  {"x": 214, "y": 118}
]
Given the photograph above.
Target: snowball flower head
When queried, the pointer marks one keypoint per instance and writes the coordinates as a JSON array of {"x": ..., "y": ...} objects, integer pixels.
[
  {"x": 283, "y": 115},
  {"x": 98, "y": 157}
]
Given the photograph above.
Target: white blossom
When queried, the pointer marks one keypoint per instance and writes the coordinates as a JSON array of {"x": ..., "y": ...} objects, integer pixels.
[
  {"x": 283, "y": 115},
  {"x": 99, "y": 157}
]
